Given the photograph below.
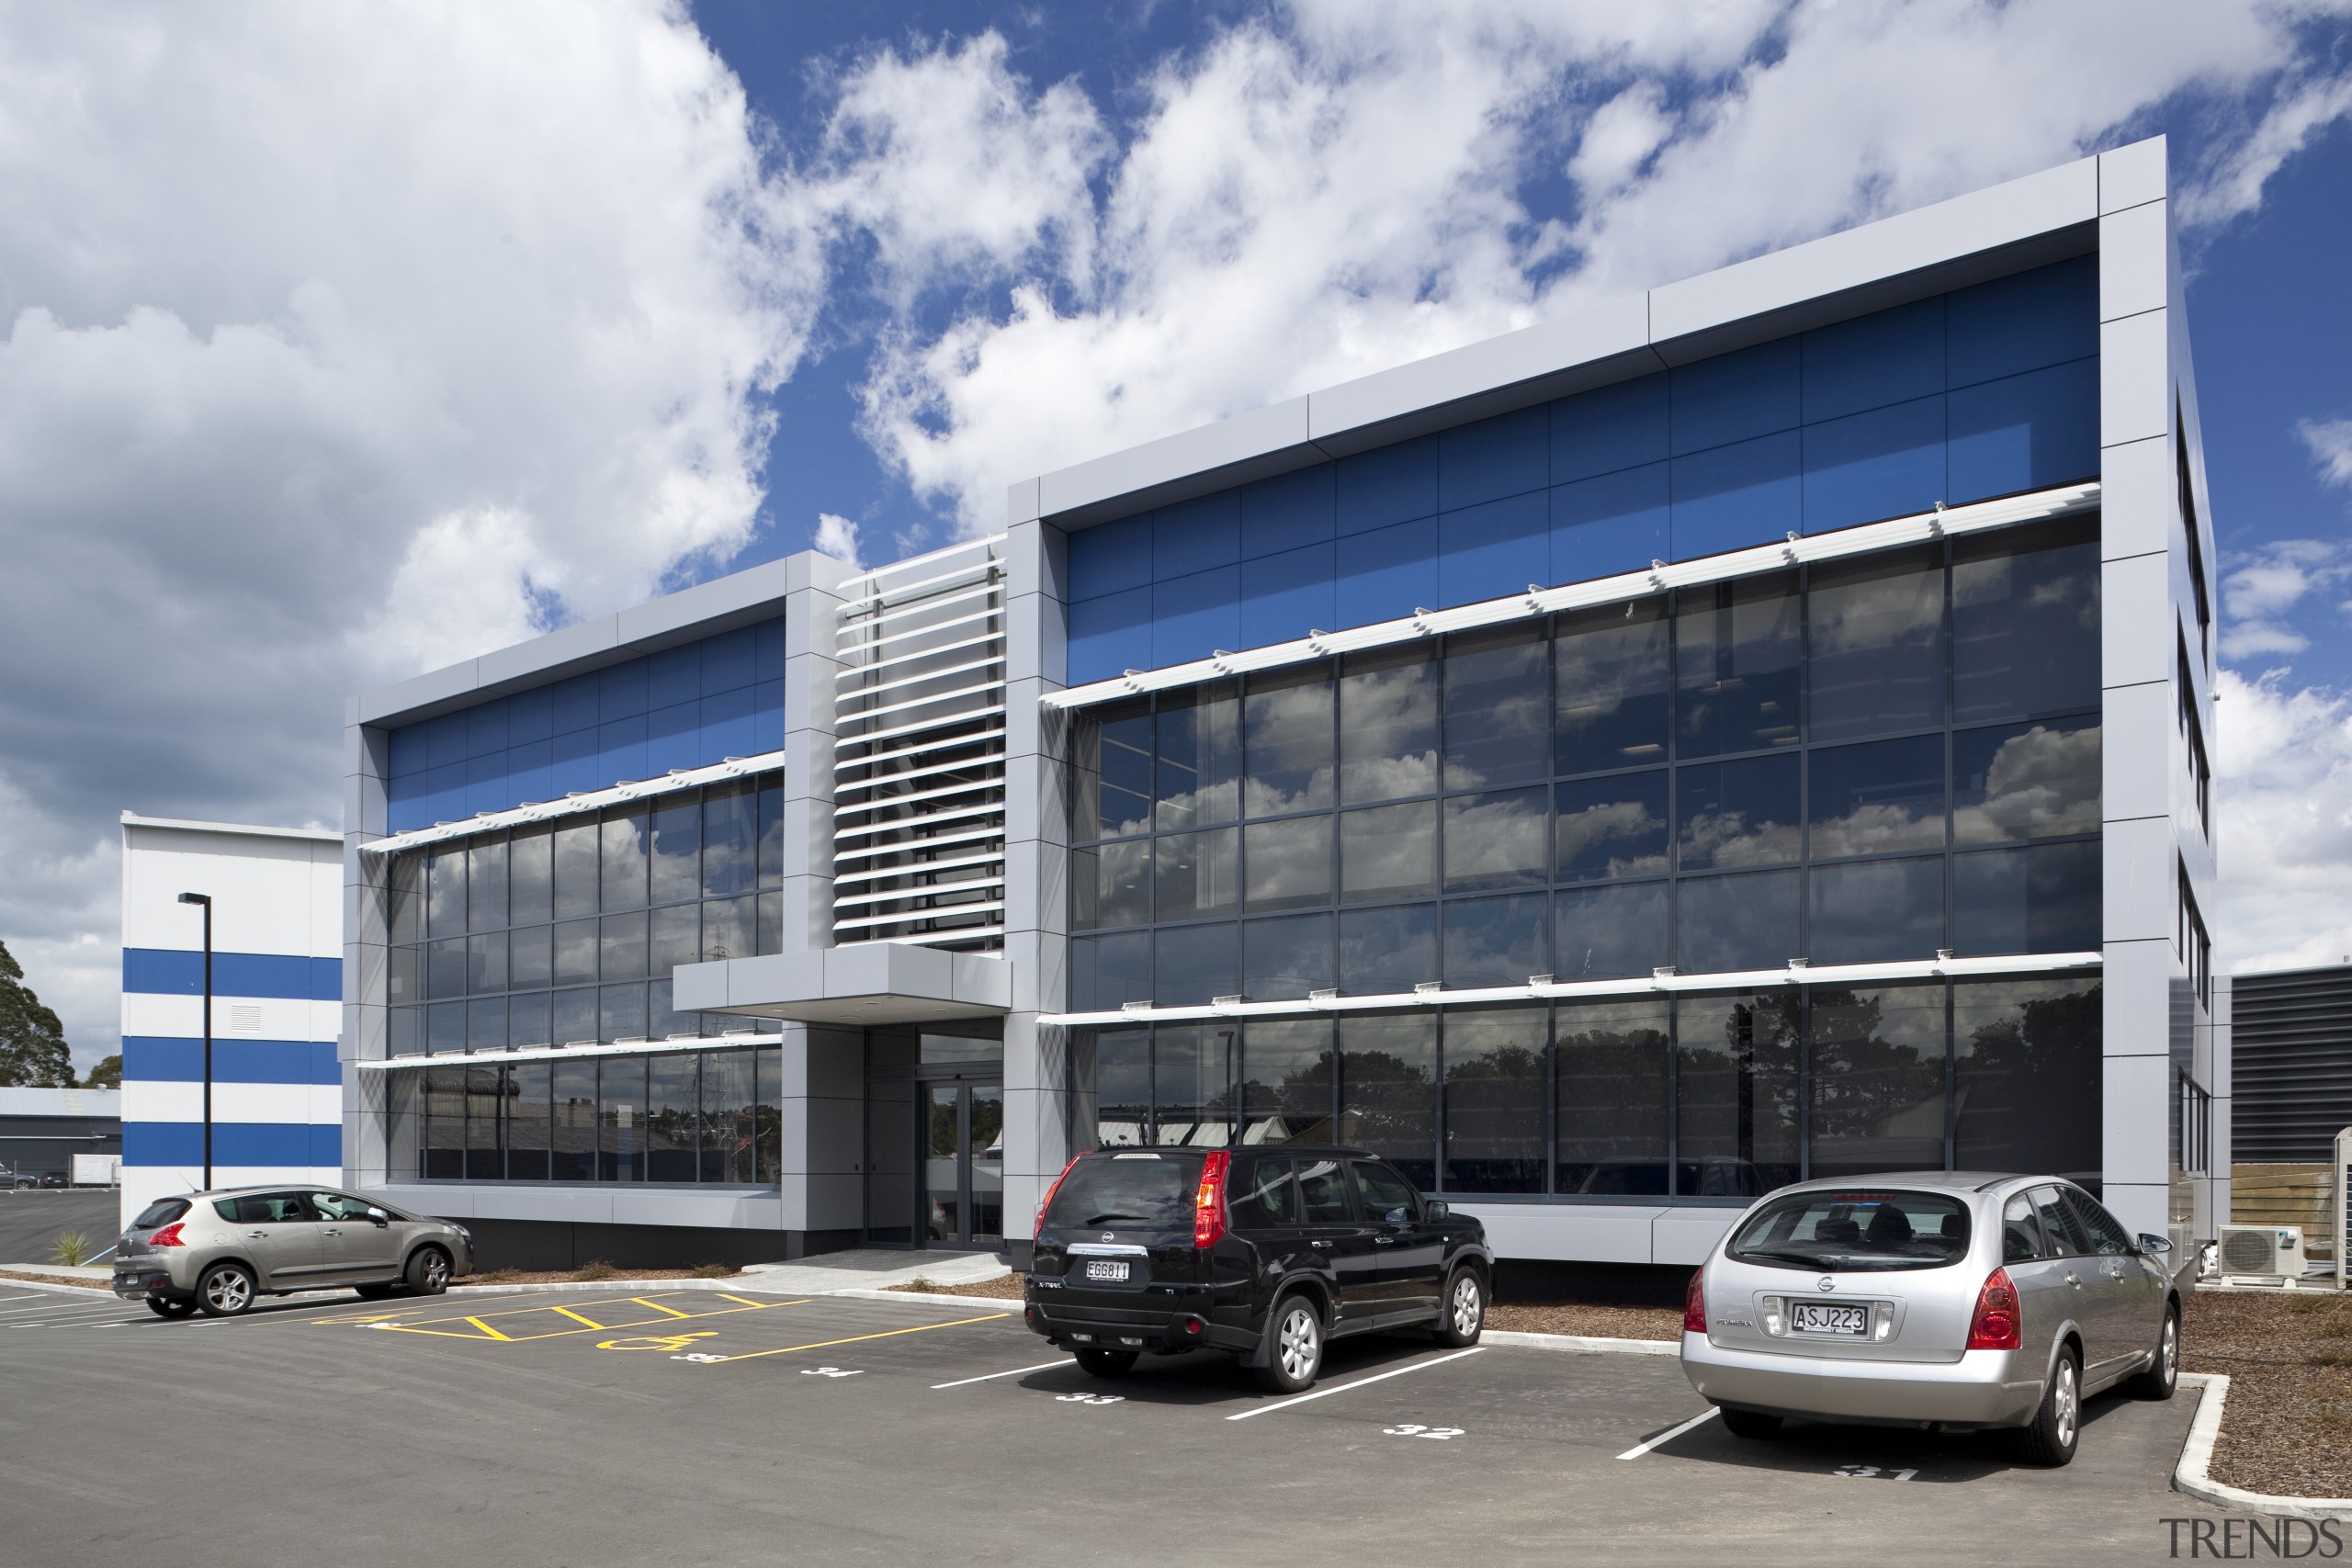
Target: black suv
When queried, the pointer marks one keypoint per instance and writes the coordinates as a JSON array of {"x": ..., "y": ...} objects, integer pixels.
[{"x": 1267, "y": 1252}]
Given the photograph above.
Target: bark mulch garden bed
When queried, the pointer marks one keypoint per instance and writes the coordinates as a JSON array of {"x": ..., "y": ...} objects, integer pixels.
[
  {"x": 2288, "y": 1426},
  {"x": 55, "y": 1280}
]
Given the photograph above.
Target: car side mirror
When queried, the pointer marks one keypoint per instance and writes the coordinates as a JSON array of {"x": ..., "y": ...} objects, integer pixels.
[
  {"x": 1436, "y": 1208},
  {"x": 2155, "y": 1245},
  {"x": 379, "y": 1216}
]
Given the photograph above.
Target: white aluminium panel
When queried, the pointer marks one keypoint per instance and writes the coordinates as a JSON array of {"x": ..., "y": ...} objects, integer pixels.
[
  {"x": 2135, "y": 378},
  {"x": 2132, "y": 174},
  {"x": 2134, "y": 247}
]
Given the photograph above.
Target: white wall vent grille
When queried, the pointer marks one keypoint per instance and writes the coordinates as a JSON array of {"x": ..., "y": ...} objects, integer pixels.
[{"x": 918, "y": 752}]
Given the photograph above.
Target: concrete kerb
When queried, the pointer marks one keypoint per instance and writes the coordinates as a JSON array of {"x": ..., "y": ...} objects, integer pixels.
[{"x": 2197, "y": 1458}]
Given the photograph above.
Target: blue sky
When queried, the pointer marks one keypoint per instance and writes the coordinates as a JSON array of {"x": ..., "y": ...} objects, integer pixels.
[{"x": 348, "y": 344}]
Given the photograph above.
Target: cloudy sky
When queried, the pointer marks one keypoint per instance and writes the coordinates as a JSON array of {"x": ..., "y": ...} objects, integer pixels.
[{"x": 340, "y": 341}]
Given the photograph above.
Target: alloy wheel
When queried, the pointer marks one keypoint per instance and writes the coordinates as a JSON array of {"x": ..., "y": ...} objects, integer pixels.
[
  {"x": 1298, "y": 1347},
  {"x": 436, "y": 1272},
  {"x": 228, "y": 1290},
  {"x": 2171, "y": 1352},
  {"x": 2065, "y": 1404},
  {"x": 1468, "y": 1306}
]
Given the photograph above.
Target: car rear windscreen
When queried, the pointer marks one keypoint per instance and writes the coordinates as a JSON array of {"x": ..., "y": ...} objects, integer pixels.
[
  {"x": 162, "y": 1212},
  {"x": 1128, "y": 1192},
  {"x": 1855, "y": 1230}
]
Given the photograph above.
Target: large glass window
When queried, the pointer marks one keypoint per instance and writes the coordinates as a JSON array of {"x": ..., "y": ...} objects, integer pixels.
[
  {"x": 676, "y": 1117},
  {"x": 1737, "y": 1109},
  {"x": 1857, "y": 761},
  {"x": 478, "y": 964},
  {"x": 1713, "y": 1096},
  {"x": 1494, "y": 1095},
  {"x": 1615, "y": 1105},
  {"x": 1877, "y": 1066}
]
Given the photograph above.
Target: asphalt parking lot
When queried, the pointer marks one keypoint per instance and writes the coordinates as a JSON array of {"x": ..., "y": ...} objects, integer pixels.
[{"x": 726, "y": 1426}]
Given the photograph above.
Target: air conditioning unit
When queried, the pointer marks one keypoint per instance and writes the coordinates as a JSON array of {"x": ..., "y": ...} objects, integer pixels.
[{"x": 2263, "y": 1249}]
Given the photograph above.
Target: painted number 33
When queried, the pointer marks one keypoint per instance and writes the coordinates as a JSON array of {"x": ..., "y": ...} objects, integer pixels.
[{"x": 1410, "y": 1429}]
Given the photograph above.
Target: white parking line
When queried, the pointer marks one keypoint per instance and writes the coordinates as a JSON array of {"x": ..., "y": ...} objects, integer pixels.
[
  {"x": 1638, "y": 1450},
  {"x": 1376, "y": 1377},
  {"x": 1015, "y": 1372}
]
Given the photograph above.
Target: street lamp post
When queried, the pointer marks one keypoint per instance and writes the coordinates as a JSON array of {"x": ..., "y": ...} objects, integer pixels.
[{"x": 204, "y": 900}]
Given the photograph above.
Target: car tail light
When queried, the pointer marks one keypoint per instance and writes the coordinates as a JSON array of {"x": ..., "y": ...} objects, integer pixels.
[
  {"x": 1047, "y": 1200},
  {"x": 168, "y": 1237},
  {"x": 1208, "y": 1203},
  {"x": 1996, "y": 1325},
  {"x": 1694, "y": 1304}
]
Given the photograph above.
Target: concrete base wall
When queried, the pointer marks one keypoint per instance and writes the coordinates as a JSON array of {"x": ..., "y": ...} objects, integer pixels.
[{"x": 540, "y": 1245}]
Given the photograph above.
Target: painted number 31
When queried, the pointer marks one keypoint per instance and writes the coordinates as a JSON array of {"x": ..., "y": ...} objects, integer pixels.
[{"x": 1410, "y": 1429}]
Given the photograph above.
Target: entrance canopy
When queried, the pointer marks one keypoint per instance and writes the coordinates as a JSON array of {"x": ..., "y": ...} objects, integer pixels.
[{"x": 878, "y": 981}]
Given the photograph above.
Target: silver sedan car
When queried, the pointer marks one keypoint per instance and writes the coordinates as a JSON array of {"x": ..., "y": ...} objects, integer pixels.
[
  {"x": 1949, "y": 1301},
  {"x": 218, "y": 1251}
]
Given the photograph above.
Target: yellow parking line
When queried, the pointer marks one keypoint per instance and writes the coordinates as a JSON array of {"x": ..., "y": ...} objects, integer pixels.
[
  {"x": 887, "y": 1334},
  {"x": 576, "y": 1318},
  {"x": 657, "y": 1306},
  {"x": 492, "y": 1332}
]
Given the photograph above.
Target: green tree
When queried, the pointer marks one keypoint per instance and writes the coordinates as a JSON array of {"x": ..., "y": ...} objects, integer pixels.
[
  {"x": 33, "y": 1052},
  {"x": 108, "y": 1074}
]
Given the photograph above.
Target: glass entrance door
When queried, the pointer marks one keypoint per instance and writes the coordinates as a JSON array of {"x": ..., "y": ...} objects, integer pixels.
[{"x": 963, "y": 1163}]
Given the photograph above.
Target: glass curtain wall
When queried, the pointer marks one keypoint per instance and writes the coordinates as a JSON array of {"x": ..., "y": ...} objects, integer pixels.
[
  {"x": 1704, "y": 1095},
  {"x": 565, "y": 933},
  {"x": 1857, "y": 762},
  {"x": 671, "y": 1118}
]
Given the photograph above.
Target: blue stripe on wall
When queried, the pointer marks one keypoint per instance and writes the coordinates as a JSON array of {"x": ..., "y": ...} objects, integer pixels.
[
  {"x": 164, "y": 1059},
  {"x": 166, "y": 972},
  {"x": 292, "y": 1144}
]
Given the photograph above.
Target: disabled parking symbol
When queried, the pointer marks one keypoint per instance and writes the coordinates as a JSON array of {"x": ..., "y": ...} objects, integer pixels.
[{"x": 671, "y": 1342}]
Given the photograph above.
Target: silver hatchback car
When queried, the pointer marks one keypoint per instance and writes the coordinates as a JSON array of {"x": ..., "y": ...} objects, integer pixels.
[
  {"x": 1951, "y": 1301},
  {"x": 218, "y": 1251}
]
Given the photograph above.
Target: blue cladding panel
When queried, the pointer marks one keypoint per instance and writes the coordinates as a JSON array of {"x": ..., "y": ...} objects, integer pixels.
[
  {"x": 1507, "y": 455},
  {"x": 1615, "y": 427},
  {"x": 2025, "y": 432},
  {"x": 1734, "y": 396},
  {"x": 684, "y": 708},
  {"x": 530, "y": 717},
  {"x": 1485, "y": 552},
  {"x": 1192, "y": 534},
  {"x": 674, "y": 675},
  {"x": 1110, "y": 635},
  {"x": 293, "y": 1143},
  {"x": 1111, "y": 559},
  {"x": 1889, "y": 357},
  {"x": 1874, "y": 465},
  {"x": 1388, "y": 485},
  {"x": 1194, "y": 616},
  {"x": 1735, "y": 496},
  {"x": 620, "y": 691},
  {"x": 166, "y": 972},
  {"x": 1289, "y": 595},
  {"x": 408, "y": 753},
  {"x": 1983, "y": 392},
  {"x": 1616, "y": 523},
  {"x": 148, "y": 1059},
  {"x": 2035, "y": 319},
  {"x": 1285, "y": 513},
  {"x": 1387, "y": 572}
]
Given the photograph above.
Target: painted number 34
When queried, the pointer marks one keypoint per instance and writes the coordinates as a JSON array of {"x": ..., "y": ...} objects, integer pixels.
[{"x": 1412, "y": 1429}]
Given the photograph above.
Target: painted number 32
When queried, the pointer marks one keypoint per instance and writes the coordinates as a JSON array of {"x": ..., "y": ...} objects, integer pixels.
[
  {"x": 1090, "y": 1398},
  {"x": 1410, "y": 1429}
]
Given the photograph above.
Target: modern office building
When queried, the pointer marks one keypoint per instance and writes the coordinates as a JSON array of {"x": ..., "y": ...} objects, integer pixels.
[
  {"x": 276, "y": 896},
  {"x": 1748, "y": 729}
]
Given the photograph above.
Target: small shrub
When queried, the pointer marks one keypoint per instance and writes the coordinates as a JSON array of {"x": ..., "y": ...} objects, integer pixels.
[
  {"x": 71, "y": 1249},
  {"x": 596, "y": 1268},
  {"x": 499, "y": 1276},
  {"x": 923, "y": 1283},
  {"x": 716, "y": 1272},
  {"x": 2309, "y": 1306}
]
